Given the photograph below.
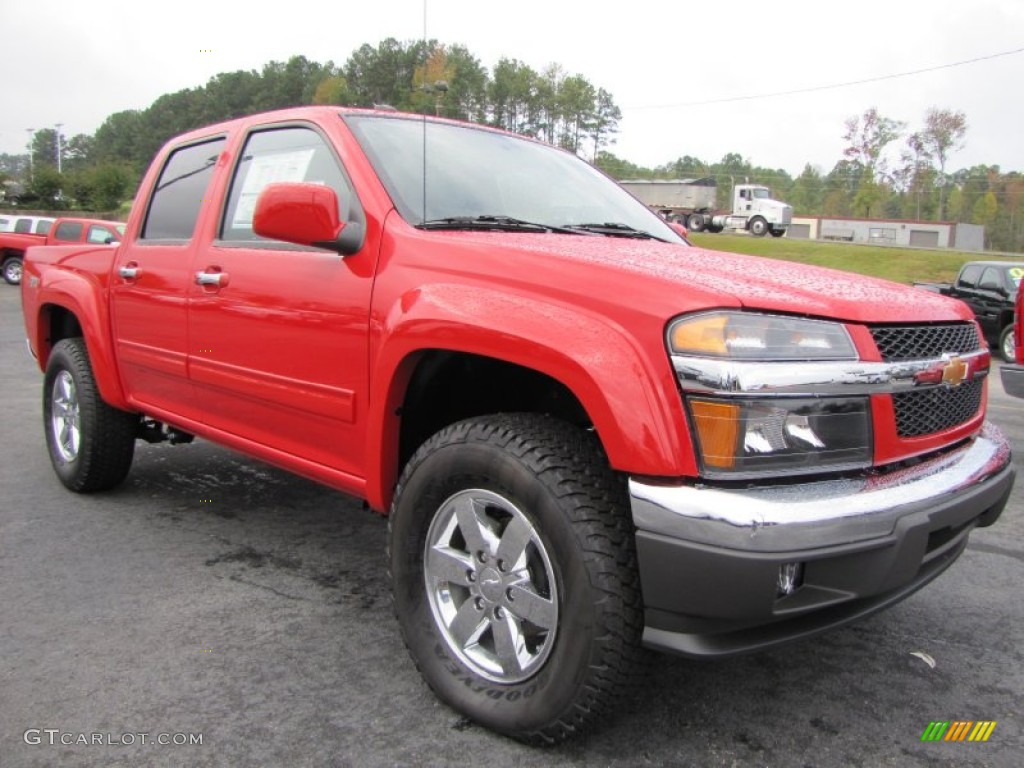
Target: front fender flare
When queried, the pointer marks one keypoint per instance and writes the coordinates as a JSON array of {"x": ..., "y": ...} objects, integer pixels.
[{"x": 624, "y": 383}]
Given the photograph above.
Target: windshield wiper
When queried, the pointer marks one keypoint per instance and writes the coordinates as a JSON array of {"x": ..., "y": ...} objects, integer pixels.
[
  {"x": 492, "y": 223},
  {"x": 612, "y": 229}
]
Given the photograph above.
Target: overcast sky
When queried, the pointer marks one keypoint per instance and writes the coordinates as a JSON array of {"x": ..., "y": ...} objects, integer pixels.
[{"x": 75, "y": 63}]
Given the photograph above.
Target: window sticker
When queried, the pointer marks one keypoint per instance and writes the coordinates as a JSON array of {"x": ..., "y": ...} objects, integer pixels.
[{"x": 264, "y": 170}]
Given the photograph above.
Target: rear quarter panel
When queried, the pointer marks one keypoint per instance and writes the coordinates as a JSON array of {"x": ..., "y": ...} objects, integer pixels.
[{"x": 72, "y": 278}]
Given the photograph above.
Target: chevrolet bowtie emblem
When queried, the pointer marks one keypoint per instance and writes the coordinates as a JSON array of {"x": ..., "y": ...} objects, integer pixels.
[{"x": 955, "y": 372}]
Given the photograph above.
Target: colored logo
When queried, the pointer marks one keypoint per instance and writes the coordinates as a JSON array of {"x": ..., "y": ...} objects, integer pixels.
[
  {"x": 958, "y": 730},
  {"x": 955, "y": 372}
]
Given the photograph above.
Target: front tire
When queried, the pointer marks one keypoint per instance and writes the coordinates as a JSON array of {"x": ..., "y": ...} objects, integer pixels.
[
  {"x": 758, "y": 226},
  {"x": 91, "y": 444},
  {"x": 12, "y": 270},
  {"x": 514, "y": 575},
  {"x": 1007, "y": 345}
]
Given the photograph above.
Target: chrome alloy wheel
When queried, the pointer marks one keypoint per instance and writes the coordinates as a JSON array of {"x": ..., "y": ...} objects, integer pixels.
[
  {"x": 64, "y": 417},
  {"x": 12, "y": 271},
  {"x": 491, "y": 586},
  {"x": 1009, "y": 347}
]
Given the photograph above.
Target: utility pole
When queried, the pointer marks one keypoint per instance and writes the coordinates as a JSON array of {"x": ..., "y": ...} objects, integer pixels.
[
  {"x": 31, "y": 136},
  {"x": 58, "y": 127}
]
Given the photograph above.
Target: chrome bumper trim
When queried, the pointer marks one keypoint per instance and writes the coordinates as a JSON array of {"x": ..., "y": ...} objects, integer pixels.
[
  {"x": 1013, "y": 379},
  {"x": 731, "y": 377},
  {"x": 814, "y": 514}
]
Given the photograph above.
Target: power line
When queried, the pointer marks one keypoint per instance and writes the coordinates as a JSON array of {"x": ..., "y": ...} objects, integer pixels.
[{"x": 816, "y": 88}]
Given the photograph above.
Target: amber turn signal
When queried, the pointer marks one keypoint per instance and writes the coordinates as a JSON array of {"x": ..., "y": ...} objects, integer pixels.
[{"x": 718, "y": 426}]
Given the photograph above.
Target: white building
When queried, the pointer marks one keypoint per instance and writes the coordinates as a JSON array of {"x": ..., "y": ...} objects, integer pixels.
[{"x": 920, "y": 234}]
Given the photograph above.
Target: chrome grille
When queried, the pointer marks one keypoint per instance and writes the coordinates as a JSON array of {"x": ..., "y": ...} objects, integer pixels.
[
  {"x": 924, "y": 342},
  {"x": 935, "y": 409}
]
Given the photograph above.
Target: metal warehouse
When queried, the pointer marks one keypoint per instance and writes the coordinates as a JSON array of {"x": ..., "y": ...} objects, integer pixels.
[{"x": 920, "y": 234}]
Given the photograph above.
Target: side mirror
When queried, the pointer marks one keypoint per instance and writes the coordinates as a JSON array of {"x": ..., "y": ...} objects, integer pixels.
[
  {"x": 989, "y": 285},
  {"x": 304, "y": 214}
]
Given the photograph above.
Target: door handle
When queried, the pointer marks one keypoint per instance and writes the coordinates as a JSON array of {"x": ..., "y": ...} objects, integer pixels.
[
  {"x": 129, "y": 271},
  {"x": 217, "y": 279}
]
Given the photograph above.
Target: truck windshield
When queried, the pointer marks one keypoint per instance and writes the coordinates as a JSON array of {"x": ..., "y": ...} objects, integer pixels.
[{"x": 472, "y": 174}]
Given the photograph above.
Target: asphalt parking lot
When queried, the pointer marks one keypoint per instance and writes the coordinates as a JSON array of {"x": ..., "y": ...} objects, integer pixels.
[{"x": 212, "y": 598}]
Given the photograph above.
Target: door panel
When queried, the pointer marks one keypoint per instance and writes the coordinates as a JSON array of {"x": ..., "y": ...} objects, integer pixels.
[
  {"x": 279, "y": 351},
  {"x": 279, "y": 334},
  {"x": 151, "y": 282}
]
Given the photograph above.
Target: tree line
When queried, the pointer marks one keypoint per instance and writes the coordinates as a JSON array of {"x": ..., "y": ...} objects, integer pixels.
[
  {"x": 98, "y": 171},
  {"x": 886, "y": 171}
]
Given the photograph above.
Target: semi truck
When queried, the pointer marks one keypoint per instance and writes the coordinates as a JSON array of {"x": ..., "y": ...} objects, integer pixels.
[{"x": 692, "y": 202}]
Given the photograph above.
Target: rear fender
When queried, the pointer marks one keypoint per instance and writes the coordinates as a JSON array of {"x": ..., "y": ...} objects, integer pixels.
[{"x": 81, "y": 295}]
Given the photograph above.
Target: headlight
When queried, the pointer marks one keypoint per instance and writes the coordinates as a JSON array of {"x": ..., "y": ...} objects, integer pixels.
[
  {"x": 746, "y": 433},
  {"x": 745, "y": 438},
  {"x": 751, "y": 336}
]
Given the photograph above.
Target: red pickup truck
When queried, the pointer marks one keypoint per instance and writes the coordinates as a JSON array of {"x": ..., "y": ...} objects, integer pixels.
[
  {"x": 1012, "y": 373},
  {"x": 60, "y": 231},
  {"x": 78, "y": 230},
  {"x": 589, "y": 436},
  {"x": 17, "y": 233}
]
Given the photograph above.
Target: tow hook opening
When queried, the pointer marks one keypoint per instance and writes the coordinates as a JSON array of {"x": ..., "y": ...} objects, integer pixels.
[{"x": 790, "y": 579}]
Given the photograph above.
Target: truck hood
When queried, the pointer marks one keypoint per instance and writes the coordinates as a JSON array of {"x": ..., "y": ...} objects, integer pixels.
[{"x": 671, "y": 279}]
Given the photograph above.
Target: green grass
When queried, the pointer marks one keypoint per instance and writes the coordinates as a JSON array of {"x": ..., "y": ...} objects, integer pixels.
[{"x": 902, "y": 265}]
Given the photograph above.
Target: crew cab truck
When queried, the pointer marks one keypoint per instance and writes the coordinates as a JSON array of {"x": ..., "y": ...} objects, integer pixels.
[
  {"x": 990, "y": 289},
  {"x": 78, "y": 230},
  {"x": 17, "y": 233},
  {"x": 589, "y": 437},
  {"x": 691, "y": 202},
  {"x": 53, "y": 232}
]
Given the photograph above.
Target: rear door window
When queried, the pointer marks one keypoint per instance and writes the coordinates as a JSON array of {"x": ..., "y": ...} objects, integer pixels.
[
  {"x": 70, "y": 231},
  {"x": 179, "y": 193},
  {"x": 969, "y": 276}
]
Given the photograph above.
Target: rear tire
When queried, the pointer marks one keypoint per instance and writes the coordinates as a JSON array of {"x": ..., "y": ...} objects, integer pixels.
[
  {"x": 696, "y": 223},
  {"x": 91, "y": 444},
  {"x": 514, "y": 575},
  {"x": 778, "y": 232},
  {"x": 12, "y": 270}
]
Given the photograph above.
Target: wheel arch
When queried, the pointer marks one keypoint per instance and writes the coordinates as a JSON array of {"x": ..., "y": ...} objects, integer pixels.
[
  {"x": 622, "y": 391},
  {"x": 72, "y": 312}
]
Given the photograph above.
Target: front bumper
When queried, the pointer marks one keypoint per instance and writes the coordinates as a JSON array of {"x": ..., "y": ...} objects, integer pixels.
[
  {"x": 1013, "y": 379},
  {"x": 710, "y": 556}
]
